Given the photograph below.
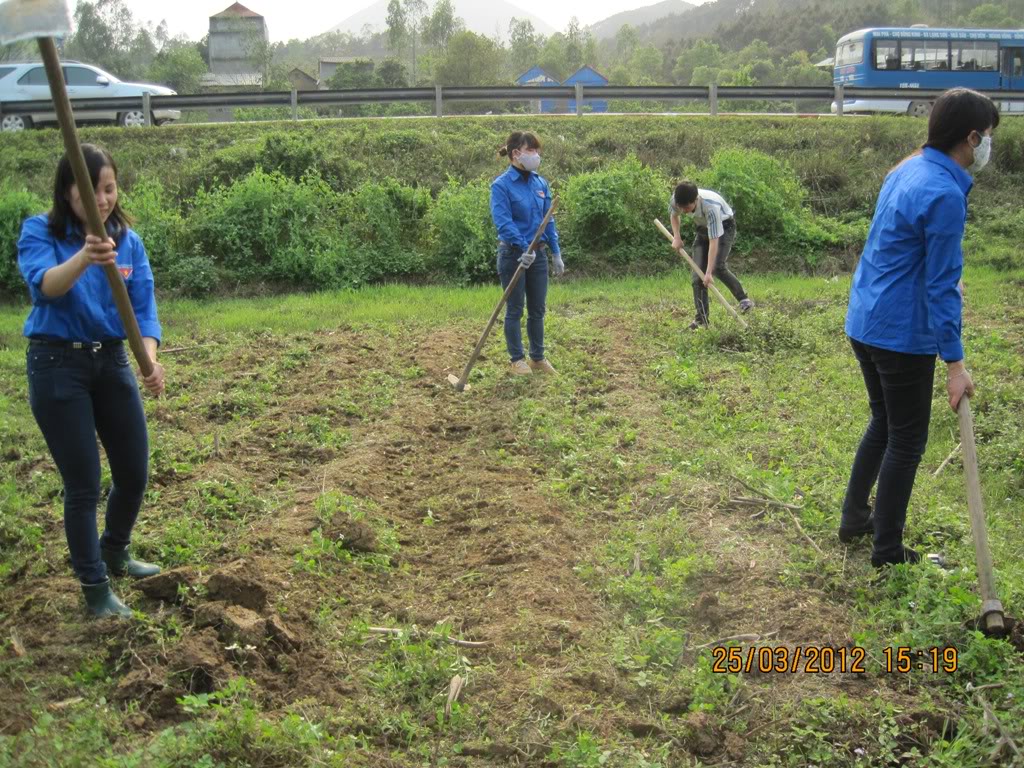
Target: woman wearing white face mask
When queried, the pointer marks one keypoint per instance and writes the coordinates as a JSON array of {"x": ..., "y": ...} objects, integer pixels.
[
  {"x": 520, "y": 198},
  {"x": 905, "y": 306}
]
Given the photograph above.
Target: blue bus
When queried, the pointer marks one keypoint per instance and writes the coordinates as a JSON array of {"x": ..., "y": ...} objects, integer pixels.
[{"x": 927, "y": 58}]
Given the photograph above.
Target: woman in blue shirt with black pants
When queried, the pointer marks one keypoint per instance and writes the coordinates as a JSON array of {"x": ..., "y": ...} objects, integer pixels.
[
  {"x": 520, "y": 198},
  {"x": 80, "y": 381},
  {"x": 905, "y": 306}
]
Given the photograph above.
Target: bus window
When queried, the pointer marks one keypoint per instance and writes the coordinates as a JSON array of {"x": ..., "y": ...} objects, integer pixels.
[
  {"x": 850, "y": 52},
  {"x": 919, "y": 55},
  {"x": 886, "y": 55},
  {"x": 976, "y": 56}
]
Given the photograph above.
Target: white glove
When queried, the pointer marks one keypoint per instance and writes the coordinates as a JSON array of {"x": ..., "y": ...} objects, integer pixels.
[
  {"x": 527, "y": 259},
  {"x": 559, "y": 265}
]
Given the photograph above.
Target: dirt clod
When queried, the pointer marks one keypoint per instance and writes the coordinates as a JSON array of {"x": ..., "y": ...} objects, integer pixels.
[
  {"x": 234, "y": 584},
  {"x": 166, "y": 585},
  {"x": 353, "y": 535}
]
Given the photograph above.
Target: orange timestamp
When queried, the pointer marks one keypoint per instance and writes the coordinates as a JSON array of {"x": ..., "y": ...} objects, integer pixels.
[{"x": 825, "y": 659}]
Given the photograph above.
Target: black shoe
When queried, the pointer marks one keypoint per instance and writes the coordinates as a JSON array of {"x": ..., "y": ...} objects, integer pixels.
[
  {"x": 102, "y": 602},
  {"x": 907, "y": 555},
  {"x": 847, "y": 535},
  {"x": 696, "y": 324},
  {"x": 121, "y": 563}
]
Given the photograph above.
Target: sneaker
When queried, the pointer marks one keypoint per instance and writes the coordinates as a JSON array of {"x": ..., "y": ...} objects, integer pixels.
[
  {"x": 520, "y": 368},
  {"x": 542, "y": 366},
  {"x": 746, "y": 305},
  {"x": 848, "y": 534}
]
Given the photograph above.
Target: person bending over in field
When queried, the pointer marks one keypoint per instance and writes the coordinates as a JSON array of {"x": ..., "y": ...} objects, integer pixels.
[{"x": 716, "y": 232}]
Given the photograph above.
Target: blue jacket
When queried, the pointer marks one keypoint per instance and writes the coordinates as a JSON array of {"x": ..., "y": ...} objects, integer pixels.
[
  {"x": 518, "y": 205},
  {"x": 905, "y": 295},
  {"x": 87, "y": 312}
]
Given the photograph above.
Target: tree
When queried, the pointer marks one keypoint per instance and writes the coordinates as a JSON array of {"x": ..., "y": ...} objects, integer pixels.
[
  {"x": 106, "y": 35},
  {"x": 178, "y": 66},
  {"x": 391, "y": 73},
  {"x": 553, "y": 58},
  {"x": 353, "y": 74},
  {"x": 645, "y": 66},
  {"x": 471, "y": 59},
  {"x": 626, "y": 42},
  {"x": 439, "y": 27},
  {"x": 989, "y": 16},
  {"x": 414, "y": 12},
  {"x": 703, "y": 54},
  {"x": 524, "y": 45},
  {"x": 396, "y": 25}
]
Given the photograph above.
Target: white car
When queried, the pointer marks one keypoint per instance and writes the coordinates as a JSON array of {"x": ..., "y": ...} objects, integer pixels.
[{"x": 27, "y": 82}]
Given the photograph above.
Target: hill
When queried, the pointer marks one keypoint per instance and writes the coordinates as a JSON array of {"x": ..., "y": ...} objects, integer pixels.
[
  {"x": 608, "y": 28},
  {"x": 488, "y": 18}
]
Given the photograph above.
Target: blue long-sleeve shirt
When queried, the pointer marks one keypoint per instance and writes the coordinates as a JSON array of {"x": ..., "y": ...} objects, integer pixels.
[
  {"x": 519, "y": 203},
  {"x": 86, "y": 312},
  {"x": 905, "y": 295}
]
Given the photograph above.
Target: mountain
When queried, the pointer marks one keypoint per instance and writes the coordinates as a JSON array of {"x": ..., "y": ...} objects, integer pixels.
[
  {"x": 610, "y": 27},
  {"x": 485, "y": 18}
]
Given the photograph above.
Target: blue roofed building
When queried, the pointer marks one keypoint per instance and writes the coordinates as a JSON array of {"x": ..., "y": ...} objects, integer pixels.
[
  {"x": 535, "y": 77},
  {"x": 589, "y": 77}
]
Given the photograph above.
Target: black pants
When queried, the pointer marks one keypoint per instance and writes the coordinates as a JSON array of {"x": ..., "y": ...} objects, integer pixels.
[
  {"x": 76, "y": 394},
  {"x": 701, "y": 244},
  {"x": 900, "y": 395}
]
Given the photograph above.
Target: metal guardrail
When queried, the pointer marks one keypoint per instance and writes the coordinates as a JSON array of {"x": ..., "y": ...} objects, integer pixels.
[{"x": 439, "y": 95}]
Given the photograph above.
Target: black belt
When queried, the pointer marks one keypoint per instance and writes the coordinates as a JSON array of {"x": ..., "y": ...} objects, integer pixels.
[{"x": 94, "y": 346}]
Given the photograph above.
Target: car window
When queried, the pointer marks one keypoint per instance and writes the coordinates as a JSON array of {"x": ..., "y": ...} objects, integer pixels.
[
  {"x": 35, "y": 76},
  {"x": 79, "y": 76},
  {"x": 5, "y": 71}
]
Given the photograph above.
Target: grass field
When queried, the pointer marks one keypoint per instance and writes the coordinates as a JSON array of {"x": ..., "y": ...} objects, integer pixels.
[{"x": 313, "y": 476}]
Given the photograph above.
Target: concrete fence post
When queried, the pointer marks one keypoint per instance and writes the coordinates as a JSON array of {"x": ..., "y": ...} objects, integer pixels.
[
  {"x": 579, "y": 99},
  {"x": 147, "y": 110},
  {"x": 295, "y": 104},
  {"x": 438, "y": 102},
  {"x": 839, "y": 100},
  {"x": 713, "y": 99}
]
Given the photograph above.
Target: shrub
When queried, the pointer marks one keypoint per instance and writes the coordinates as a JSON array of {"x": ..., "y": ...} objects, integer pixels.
[
  {"x": 460, "y": 234},
  {"x": 156, "y": 220},
  {"x": 382, "y": 233},
  {"x": 267, "y": 227},
  {"x": 16, "y": 205},
  {"x": 612, "y": 212}
]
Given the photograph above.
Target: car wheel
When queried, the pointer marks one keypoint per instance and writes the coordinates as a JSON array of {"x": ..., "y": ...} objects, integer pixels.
[
  {"x": 15, "y": 123},
  {"x": 919, "y": 108},
  {"x": 135, "y": 118}
]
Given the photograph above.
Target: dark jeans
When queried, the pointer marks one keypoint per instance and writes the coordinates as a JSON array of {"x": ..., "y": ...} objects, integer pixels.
[
  {"x": 76, "y": 394},
  {"x": 900, "y": 395},
  {"x": 701, "y": 244},
  {"x": 532, "y": 289}
]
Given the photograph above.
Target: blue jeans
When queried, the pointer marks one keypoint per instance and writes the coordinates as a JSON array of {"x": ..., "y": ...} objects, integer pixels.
[
  {"x": 75, "y": 395},
  {"x": 532, "y": 289},
  {"x": 900, "y": 396}
]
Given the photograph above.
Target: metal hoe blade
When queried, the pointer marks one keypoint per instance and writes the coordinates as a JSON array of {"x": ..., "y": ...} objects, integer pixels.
[{"x": 28, "y": 19}]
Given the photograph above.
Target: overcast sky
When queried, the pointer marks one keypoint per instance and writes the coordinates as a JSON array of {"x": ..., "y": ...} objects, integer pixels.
[{"x": 301, "y": 19}]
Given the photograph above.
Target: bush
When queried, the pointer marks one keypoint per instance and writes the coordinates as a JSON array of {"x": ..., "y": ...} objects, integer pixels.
[
  {"x": 382, "y": 234},
  {"x": 156, "y": 220},
  {"x": 612, "y": 212},
  {"x": 16, "y": 205},
  {"x": 268, "y": 227},
  {"x": 460, "y": 234},
  {"x": 771, "y": 211}
]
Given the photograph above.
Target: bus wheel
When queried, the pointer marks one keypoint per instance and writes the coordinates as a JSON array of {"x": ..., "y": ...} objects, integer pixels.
[{"x": 919, "y": 108}]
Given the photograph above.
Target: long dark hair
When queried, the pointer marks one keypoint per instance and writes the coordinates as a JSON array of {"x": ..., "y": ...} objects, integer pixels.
[
  {"x": 956, "y": 114},
  {"x": 518, "y": 140},
  {"x": 61, "y": 215}
]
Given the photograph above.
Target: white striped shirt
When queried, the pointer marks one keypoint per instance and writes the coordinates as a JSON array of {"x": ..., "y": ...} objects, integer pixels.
[{"x": 711, "y": 212}]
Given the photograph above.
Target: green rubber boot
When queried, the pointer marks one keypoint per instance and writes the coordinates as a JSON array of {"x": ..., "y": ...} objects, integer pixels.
[
  {"x": 121, "y": 563},
  {"x": 102, "y": 601}
]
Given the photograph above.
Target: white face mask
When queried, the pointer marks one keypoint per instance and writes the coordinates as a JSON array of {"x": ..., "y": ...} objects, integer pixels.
[
  {"x": 982, "y": 153},
  {"x": 531, "y": 161}
]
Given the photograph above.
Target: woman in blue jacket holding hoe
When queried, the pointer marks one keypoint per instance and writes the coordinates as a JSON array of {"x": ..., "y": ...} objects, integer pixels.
[
  {"x": 80, "y": 381},
  {"x": 905, "y": 306},
  {"x": 520, "y": 198}
]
